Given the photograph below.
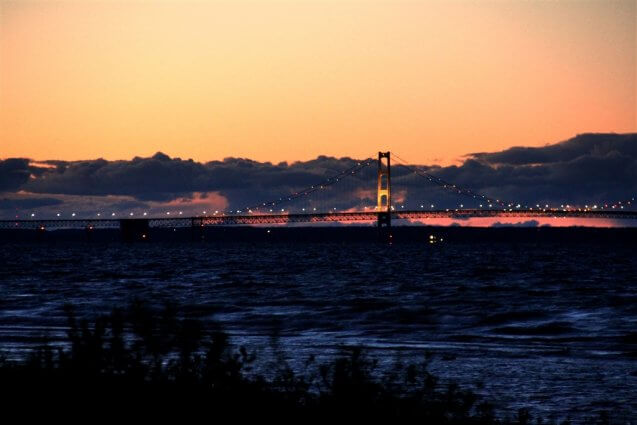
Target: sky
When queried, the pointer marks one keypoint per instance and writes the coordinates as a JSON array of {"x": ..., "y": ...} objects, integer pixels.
[{"x": 292, "y": 80}]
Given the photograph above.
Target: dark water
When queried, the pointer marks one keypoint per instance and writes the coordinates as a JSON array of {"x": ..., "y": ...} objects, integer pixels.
[{"x": 552, "y": 326}]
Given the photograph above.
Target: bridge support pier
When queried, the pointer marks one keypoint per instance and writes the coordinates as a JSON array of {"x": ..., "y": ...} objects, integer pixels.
[
  {"x": 40, "y": 232},
  {"x": 196, "y": 229},
  {"x": 89, "y": 232},
  {"x": 383, "y": 206}
]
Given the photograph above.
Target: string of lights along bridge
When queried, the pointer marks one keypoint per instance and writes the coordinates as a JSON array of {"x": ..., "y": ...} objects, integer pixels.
[{"x": 308, "y": 205}]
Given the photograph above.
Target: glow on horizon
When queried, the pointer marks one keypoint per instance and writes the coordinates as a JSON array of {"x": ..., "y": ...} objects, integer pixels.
[{"x": 276, "y": 80}]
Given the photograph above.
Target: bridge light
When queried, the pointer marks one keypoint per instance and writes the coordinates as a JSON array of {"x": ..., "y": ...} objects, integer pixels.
[
  {"x": 167, "y": 212},
  {"x": 180, "y": 212},
  {"x": 422, "y": 206},
  {"x": 58, "y": 214},
  {"x": 315, "y": 209},
  {"x": 73, "y": 215},
  {"x": 131, "y": 214},
  {"x": 432, "y": 205},
  {"x": 490, "y": 205},
  {"x": 461, "y": 206},
  {"x": 480, "y": 205},
  {"x": 99, "y": 214},
  {"x": 113, "y": 214},
  {"x": 32, "y": 214},
  {"x": 204, "y": 212}
]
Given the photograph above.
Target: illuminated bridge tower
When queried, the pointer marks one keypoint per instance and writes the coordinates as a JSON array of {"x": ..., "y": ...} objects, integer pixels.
[{"x": 383, "y": 206}]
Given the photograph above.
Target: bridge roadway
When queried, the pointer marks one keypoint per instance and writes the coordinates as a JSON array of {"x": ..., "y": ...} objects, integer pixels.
[{"x": 361, "y": 216}]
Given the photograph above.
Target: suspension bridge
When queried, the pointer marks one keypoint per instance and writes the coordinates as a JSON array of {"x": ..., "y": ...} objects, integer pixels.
[{"x": 383, "y": 213}]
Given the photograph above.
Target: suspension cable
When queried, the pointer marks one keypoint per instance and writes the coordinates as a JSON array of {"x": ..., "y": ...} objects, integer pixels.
[
  {"x": 330, "y": 181},
  {"x": 451, "y": 187}
]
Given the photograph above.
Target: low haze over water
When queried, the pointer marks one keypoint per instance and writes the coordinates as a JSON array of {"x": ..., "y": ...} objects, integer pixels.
[{"x": 535, "y": 323}]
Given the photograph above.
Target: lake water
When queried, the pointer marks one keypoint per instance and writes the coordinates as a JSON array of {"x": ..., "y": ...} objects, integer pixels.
[{"x": 551, "y": 326}]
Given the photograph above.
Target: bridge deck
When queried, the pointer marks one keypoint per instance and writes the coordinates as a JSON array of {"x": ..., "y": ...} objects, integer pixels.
[{"x": 362, "y": 216}]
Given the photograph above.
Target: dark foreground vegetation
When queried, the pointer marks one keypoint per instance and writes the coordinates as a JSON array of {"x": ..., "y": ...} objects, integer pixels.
[{"x": 155, "y": 362}]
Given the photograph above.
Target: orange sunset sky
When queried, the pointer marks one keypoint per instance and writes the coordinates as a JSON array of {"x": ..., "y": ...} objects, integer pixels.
[{"x": 290, "y": 80}]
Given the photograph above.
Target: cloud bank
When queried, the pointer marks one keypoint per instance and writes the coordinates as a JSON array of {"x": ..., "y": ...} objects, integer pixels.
[{"x": 587, "y": 169}]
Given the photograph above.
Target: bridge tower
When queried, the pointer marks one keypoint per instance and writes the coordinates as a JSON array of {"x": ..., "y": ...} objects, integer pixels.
[{"x": 383, "y": 206}]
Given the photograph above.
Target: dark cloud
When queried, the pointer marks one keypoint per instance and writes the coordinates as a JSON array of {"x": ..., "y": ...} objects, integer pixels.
[
  {"x": 590, "y": 168},
  {"x": 161, "y": 178},
  {"x": 14, "y": 172},
  {"x": 28, "y": 203},
  {"x": 587, "y": 168},
  {"x": 596, "y": 145}
]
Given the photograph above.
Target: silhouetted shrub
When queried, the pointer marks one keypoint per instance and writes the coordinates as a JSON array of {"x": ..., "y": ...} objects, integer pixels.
[{"x": 141, "y": 358}]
